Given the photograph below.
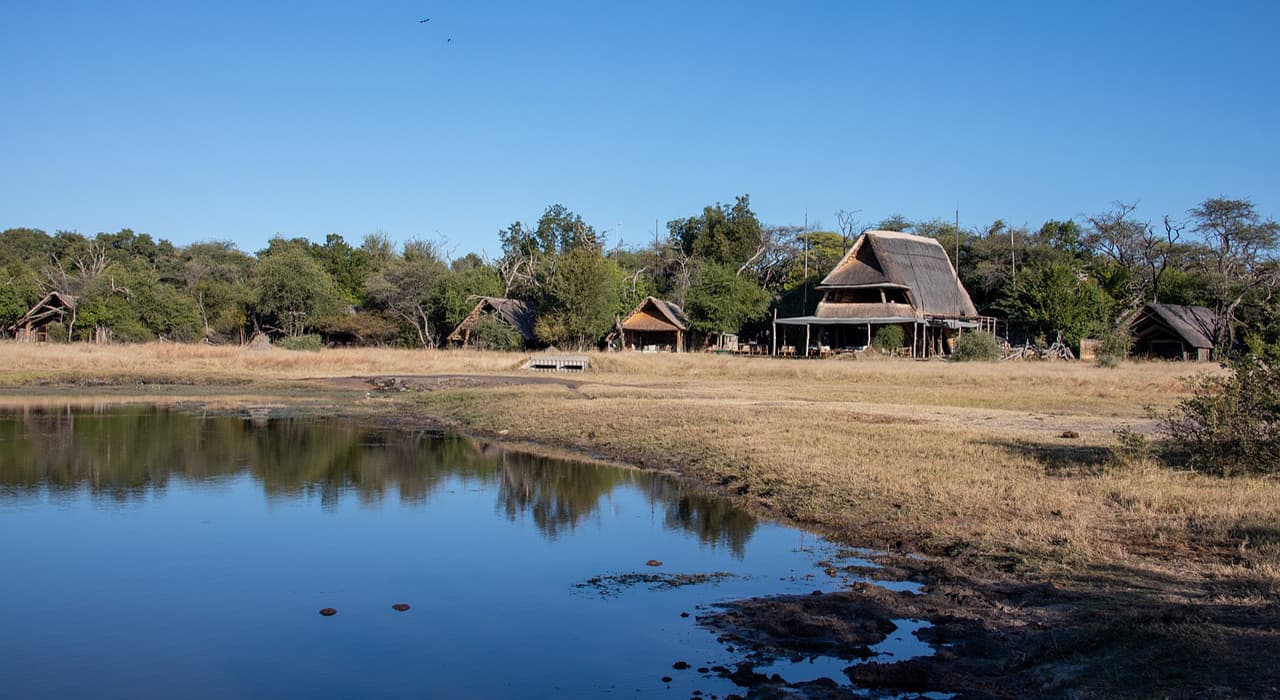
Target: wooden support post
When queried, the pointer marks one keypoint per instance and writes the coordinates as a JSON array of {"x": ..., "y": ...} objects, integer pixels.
[
  {"x": 775, "y": 332},
  {"x": 915, "y": 337},
  {"x": 806, "y": 340}
]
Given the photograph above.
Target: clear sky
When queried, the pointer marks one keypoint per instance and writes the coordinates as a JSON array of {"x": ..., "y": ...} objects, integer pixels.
[{"x": 240, "y": 120}]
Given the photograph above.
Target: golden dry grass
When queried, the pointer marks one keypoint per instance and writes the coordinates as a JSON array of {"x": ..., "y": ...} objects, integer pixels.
[{"x": 957, "y": 458}]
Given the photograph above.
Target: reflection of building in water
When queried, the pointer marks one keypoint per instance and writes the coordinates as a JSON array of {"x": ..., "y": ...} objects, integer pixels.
[{"x": 131, "y": 453}]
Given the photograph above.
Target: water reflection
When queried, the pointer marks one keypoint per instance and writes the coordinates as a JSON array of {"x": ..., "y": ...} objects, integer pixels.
[{"x": 124, "y": 456}]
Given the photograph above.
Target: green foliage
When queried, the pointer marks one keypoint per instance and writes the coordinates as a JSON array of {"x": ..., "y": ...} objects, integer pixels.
[
  {"x": 454, "y": 294},
  {"x": 895, "y": 222},
  {"x": 308, "y": 343},
  {"x": 1059, "y": 298},
  {"x": 582, "y": 299},
  {"x": 889, "y": 339},
  {"x": 722, "y": 235},
  {"x": 722, "y": 301},
  {"x": 1114, "y": 346},
  {"x": 492, "y": 333},
  {"x": 404, "y": 288},
  {"x": 349, "y": 267},
  {"x": 1231, "y": 424},
  {"x": 294, "y": 292},
  {"x": 12, "y": 305},
  {"x": 976, "y": 346}
]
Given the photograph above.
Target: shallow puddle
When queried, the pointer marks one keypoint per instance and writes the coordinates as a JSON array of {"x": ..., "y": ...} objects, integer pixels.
[{"x": 152, "y": 553}]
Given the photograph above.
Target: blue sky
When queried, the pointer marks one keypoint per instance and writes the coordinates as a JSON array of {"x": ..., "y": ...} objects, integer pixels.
[{"x": 233, "y": 121}]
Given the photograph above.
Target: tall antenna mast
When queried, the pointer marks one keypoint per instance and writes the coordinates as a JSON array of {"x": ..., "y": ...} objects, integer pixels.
[
  {"x": 804, "y": 294},
  {"x": 957, "y": 241}
]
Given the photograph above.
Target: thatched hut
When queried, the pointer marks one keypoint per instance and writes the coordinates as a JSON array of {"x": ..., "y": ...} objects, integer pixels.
[
  {"x": 1174, "y": 332},
  {"x": 890, "y": 278},
  {"x": 655, "y": 325},
  {"x": 55, "y": 307},
  {"x": 512, "y": 312}
]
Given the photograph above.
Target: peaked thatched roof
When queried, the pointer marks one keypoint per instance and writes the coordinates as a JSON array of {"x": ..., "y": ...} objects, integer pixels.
[
  {"x": 1196, "y": 325},
  {"x": 888, "y": 259},
  {"x": 513, "y": 311},
  {"x": 52, "y": 307},
  {"x": 654, "y": 314}
]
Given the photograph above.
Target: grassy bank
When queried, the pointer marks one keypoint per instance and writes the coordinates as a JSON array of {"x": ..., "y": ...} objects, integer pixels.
[{"x": 1002, "y": 472}]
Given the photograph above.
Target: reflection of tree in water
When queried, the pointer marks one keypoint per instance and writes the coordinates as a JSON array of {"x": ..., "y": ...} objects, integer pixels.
[
  {"x": 714, "y": 520},
  {"x": 129, "y": 454},
  {"x": 556, "y": 494}
]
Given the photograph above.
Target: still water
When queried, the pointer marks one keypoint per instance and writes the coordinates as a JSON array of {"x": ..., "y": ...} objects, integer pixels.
[{"x": 152, "y": 553}]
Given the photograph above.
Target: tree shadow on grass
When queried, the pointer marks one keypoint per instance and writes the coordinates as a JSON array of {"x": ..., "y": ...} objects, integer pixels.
[{"x": 1059, "y": 458}]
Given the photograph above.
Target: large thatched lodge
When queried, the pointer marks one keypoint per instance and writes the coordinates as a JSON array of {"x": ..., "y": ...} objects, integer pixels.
[{"x": 886, "y": 279}]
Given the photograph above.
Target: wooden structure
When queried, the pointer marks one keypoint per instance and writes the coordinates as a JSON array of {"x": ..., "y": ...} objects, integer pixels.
[
  {"x": 558, "y": 363},
  {"x": 1174, "y": 332},
  {"x": 655, "y": 325},
  {"x": 889, "y": 278},
  {"x": 33, "y": 326},
  {"x": 512, "y": 312}
]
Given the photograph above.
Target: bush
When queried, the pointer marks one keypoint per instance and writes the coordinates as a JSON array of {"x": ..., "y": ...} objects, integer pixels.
[
  {"x": 976, "y": 346},
  {"x": 1231, "y": 424},
  {"x": 1113, "y": 347},
  {"x": 889, "y": 339},
  {"x": 491, "y": 333},
  {"x": 309, "y": 343}
]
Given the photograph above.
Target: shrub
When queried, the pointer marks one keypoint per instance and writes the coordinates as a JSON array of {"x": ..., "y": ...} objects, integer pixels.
[
  {"x": 1114, "y": 346},
  {"x": 493, "y": 334},
  {"x": 1231, "y": 424},
  {"x": 309, "y": 343},
  {"x": 889, "y": 338},
  {"x": 976, "y": 346}
]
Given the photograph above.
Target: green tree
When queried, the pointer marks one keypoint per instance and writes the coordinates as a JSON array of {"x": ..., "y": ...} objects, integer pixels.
[
  {"x": 404, "y": 288},
  {"x": 293, "y": 292},
  {"x": 1238, "y": 258},
  {"x": 723, "y": 235},
  {"x": 583, "y": 298},
  {"x": 722, "y": 300},
  {"x": 1059, "y": 298}
]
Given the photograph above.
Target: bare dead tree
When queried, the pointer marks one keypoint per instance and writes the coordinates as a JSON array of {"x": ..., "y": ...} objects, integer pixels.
[{"x": 850, "y": 228}]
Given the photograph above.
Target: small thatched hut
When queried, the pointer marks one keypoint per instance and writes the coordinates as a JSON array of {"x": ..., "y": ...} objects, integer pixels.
[
  {"x": 512, "y": 312},
  {"x": 55, "y": 307},
  {"x": 890, "y": 278},
  {"x": 1174, "y": 332},
  {"x": 655, "y": 325}
]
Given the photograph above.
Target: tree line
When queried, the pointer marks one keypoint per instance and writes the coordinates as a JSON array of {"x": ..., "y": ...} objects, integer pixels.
[{"x": 727, "y": 270}]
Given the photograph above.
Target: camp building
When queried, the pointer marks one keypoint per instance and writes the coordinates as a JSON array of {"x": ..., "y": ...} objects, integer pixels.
[
  {"x": 655, "y": 325},
  {"x": 1174, "y": 332},
  {"x": 34, "y": 325},
  {"x": 512, "y": 312},
  {"x": 887, "y": 278}
]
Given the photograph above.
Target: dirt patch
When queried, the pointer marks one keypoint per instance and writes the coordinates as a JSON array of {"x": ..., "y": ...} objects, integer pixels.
[{"x": 442, "y": 382}]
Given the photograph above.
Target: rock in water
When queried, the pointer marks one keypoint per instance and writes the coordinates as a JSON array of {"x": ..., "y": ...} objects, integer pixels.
[{"x": 653, "y": 562}]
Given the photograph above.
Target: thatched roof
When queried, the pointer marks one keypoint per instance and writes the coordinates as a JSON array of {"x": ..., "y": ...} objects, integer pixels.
[
  {"x": 655, "y": 314},
  {"x": 1196, "y": 325},
  {"x": 51, "y": 308},
  {"x": 891, "y": 260},
  {"x": 514, "y": 312}
]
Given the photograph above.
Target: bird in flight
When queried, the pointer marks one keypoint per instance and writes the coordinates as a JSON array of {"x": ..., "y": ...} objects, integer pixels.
[{"x": 424, "y": 21}]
